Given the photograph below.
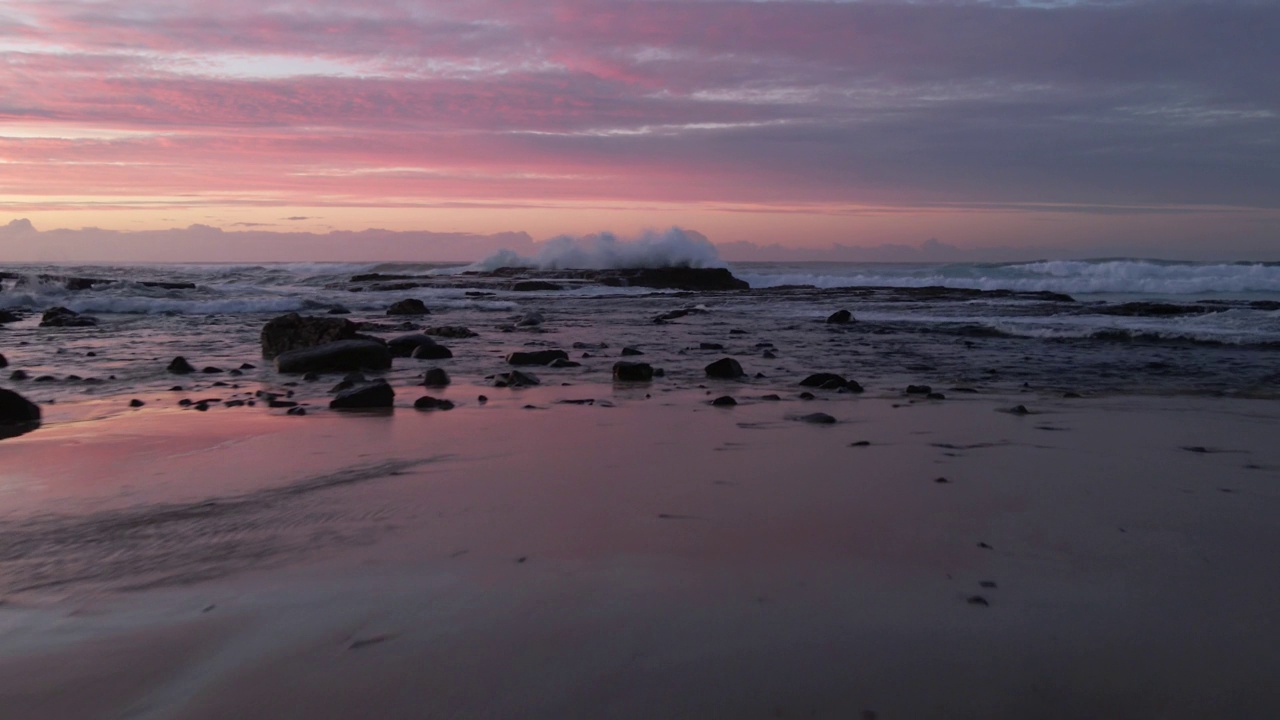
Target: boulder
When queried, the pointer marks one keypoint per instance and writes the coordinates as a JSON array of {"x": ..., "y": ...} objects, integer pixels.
[
  {"x": 724, "y": 401},
  {"x": 831, "y": 381},
  {"x": 377, "y": 394},
  {"x": 404, "y": 345},
  {"x": 426, "y": 402},
  {"x": 725, "y": 368},
  {"x": 180, "y": 366},
  {"x": 4, "y": 362},
  {"x": 7, "y": 317},
  {"x": 450, "y": 331},
  {"x": 840, "y": 317},
  {"x": 710, "y": 346},
  {"x": 625, "y": 371},
  {"x": 296, "y": 332},
  {"x": 817, "y": 419},
  {"x": 628, "y": 351},
  {"x": 62, "y": 317},
  {"x": 343, "y": 355},
  {"x": 408, "y": 306},
  {"x": 19, "y": 375},
  {"x": 918, "y": 390},
  {"x": 536, "y": 357},
  {"x": 431, "y": 352},
  {"x": 436, "y": 377},
  {"x": 17, "y": 414}
]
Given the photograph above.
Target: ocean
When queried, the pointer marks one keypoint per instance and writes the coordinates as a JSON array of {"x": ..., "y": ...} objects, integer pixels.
[{"x": 1111, "y": 326}]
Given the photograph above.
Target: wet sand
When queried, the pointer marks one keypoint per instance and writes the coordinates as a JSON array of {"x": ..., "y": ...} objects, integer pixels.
[{"x": 1101, "y": 557}]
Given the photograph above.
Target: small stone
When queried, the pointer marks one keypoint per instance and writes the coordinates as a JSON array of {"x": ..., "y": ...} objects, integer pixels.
[
  {"x": 211, "y": 370},
  {"x": 136, "y": 403},
  {"x": 296, "y": 411},
  {"x": 840, "y": 317},
  {"x": 180, "y": 366},
  {"x": 426, "y": 402},
  {"x": 978, "y": 600},
  {"x": 818, "y": 419},
  {"x": 724, "y": 401},
  {"x": 627, "y": 351},
  {"x": 807, "y": 396}
]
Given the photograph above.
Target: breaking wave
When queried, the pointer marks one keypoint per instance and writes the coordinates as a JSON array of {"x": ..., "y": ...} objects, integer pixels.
[{"x": 605, "y": 251}]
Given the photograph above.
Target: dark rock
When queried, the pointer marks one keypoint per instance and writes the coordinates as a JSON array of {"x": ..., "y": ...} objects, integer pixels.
[
  {"x": 725, "y": 368},
  {"x": 404, "y": 345},
  {"x": 672, "y": 278},
  {"x": 436, "y": 377},
  {"x": 426, "y": 402},
  {"x": 515, "y": 379},
  {"x": 409, "y": 306},
  {"x": 18, "y": 415},
  {"x": 806, "y": 396},
  {"x": 534, "y": 285},
  {"x": 536, "y": 357},
  {"x": 136, "y": 403},
  {"x": 530, "y": 319},
  {"x": 62, "y": 317},
  {"x": 1018, "y": 410},
  {"x": 4, "y": 362},
  {"x": 710, "y": 346},
  {"x": 736, "y": 331},
  {"x": 296, "y": 411},
  {"x": 941, "y": 480},
  {"x": 45, "y": 378},
  {"x": 450, "y": 331},
  {"x": 339, "y": 310},
  {"x": 563, "y": 363},
  {"x": 234, "y": 403},
  {"x": 771, "y": 397},
  {"x": 180, "y": 366},
  {"x": 828, "y": 381},
  {"x": 7, "y": 316},
  {"x": 840, "y": 317},
  {"x": 626, "y": 371},
  {"x": 628, "y": 351},
  {"x": 768, "y": 355},
  {"x": 377, "y": 394},
  {"x": 18, "y": 375},
  {"x": 918, "y": 390},
  {"x": 590, "y": 346},
  {"x": 724, "y": 401},
  {"x": 211, "y": 370},
  {"x": 482, "y": 399},
  {"x": 935, "y": 396},
  {"x": 431, "y": 352},
  {"x": 817, "y": 419},
  {"x": 336, "y": 356},
  {"x": 348, "y": 382},
  {"x": 297, "y": 332},
  {"x": 978, "y": 600},
  {"x": 202, "y": 406},
  {"x": 247, "y": 366}
]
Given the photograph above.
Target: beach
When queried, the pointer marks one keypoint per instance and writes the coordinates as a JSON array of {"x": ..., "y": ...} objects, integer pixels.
[
  {"x": 660, "y": 558},
  {"x": 557, "y": 497}
]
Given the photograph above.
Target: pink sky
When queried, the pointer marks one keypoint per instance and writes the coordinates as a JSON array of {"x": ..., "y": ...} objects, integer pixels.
[{"x": 1100, "y": 128}]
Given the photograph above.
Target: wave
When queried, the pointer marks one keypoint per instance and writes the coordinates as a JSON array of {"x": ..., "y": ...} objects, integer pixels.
[
  {"x": 1074, "y": 277},
  {"x": 605, "y": 251}
]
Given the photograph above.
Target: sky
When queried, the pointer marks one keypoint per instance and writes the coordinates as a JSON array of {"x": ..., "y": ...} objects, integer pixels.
[{"x": 136, "y": 128}]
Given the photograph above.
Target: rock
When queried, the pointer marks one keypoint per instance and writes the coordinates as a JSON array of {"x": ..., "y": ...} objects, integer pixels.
[
  {"x": 625, "y": 371},
  {"x": 135, "y": 403},
  {"x": 377, "y": 394},
  {"x": 724, "y": 401},
  {"x": 1019, "y": 410},
  {"x": 710, "y": 346},
  {"x": 7, "y": 316},
  {"x": 408, "y": 306},
  {"x": 725, "y": 368},
  {"x": 515, "y": 379},
  {"x": 431, "y": 352},
  {"x": 482, "y": 399},
  {"x": 4, "y": 362},
  {"x": 918, "y": 390},
  {"x": 426, "y": 402},
  {"x": 768, "y": 355},
  {"x": 62, "y": 317},
  {"x": 296, "y": 332},
  {"x": 629, "y": 351},
  {"x": 673, "y": 278},
  {"x": 342, "y": 355},
  {"x": 534, "y": 285},
  {"x": 562, "y": 363},
  {"x": 450, "y": 331},
  {"x": 840, "y": 317},
  {"x": 296, "y": 411},
  {"x": 45, "y": 378},
  {"x": 935, "y": 396},
  {"x": 180, "y": 366},
  {"x": 771, "y": 396},
  {"x": 807, "y": 396},
  {"x": 530, "y": 319},
  {"x": 827, "y": 381},
  {"x": 18, "y": 375},
  {"x": 590, "y": 346},
  {"x": 404, "y": 345},
  {"x": 536, "y": 357},
  {"x": 436, "y": 377},
  {"x": 211, "y": 370},
  {"x": 817, "y": 419},
  {"x": 17, "y": 414},
  {"x": 348, "y": 382}
]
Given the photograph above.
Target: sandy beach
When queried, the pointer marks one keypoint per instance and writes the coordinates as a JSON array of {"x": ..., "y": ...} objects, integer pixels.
[{"x": 648, "y": 557}]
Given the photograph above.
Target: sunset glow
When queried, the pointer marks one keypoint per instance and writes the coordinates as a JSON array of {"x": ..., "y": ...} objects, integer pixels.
[{"x": 1129, "y": 127}]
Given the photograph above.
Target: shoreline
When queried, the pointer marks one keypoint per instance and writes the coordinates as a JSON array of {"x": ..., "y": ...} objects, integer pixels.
[{"x": 656, "y": 558}]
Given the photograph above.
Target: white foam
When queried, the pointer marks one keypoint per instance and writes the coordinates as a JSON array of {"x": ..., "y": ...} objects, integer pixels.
[{"x": 605, "y": 251}]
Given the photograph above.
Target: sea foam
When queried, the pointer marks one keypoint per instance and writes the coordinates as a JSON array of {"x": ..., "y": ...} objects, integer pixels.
[{"x": 605, "y": 251}]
